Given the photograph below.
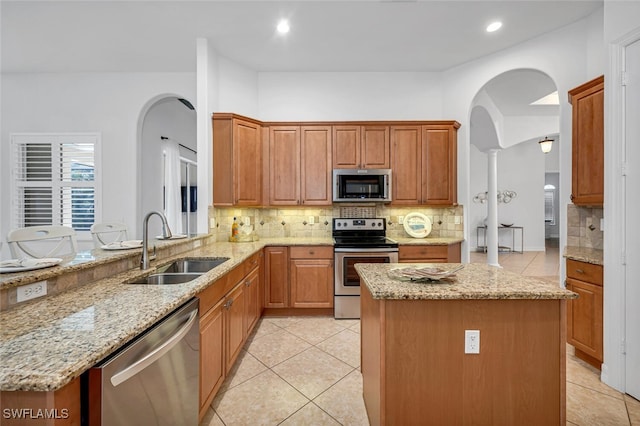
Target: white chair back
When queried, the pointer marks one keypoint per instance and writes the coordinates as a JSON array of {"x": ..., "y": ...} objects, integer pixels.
[
  {"x": 29, "y": 241},
  {"x": 105, "y": 233}
]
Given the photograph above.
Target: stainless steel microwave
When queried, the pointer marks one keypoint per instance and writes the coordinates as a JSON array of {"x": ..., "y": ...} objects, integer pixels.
[{"x": 362, "y": 185}]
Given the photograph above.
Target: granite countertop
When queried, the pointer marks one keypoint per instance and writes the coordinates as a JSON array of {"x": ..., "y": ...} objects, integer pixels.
[
  {"x": 584, "y": 254},
  {"x": 428, "y": 241},
  {"x": 47, "y": 342},
  {"x": 474, "y": 281}
]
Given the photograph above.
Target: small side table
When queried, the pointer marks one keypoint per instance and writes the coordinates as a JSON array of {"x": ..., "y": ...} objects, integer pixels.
[{"x": 513, "y": 238}]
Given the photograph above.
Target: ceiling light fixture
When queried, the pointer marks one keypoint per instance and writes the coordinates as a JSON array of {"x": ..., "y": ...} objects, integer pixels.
[
  {"x": 283, "y": 26},
  {"x": 494, "y": 26},
  {"x": 546, "y": 144}
]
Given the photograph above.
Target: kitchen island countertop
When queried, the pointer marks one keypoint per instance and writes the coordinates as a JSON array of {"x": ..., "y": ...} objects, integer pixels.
[{"x": 473, "y": 281}]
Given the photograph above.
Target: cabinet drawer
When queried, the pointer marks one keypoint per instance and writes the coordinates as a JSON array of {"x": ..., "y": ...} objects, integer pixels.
[
  {"x": 311, "y": 252},
  {"x": 584, "y": 271},
  {"x": 423, "y": 252}
]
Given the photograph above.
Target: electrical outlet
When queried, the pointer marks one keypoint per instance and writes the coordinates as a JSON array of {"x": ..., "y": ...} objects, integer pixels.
[
  {"x": 456, "y": 220},
  {"x": 400, "y": 220},
  {"x": 212, "y": 223},
  {"x": 31, "y": 291},
  {"x": 602, "y": 224},
  {"x": 312, "y": 220},
  {"x": 472, "y": 341}
]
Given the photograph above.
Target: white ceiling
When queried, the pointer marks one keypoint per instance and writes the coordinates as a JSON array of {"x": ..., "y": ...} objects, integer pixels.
[{"x": 365, "y": 35}]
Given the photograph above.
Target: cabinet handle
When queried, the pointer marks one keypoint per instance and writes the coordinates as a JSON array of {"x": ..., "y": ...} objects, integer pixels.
[
  {"x": 571, "y": 197},
  {"x": 311, "y": 252},
  {"x": 580, "y": 271},
  {"x": 247, "y": 283}
]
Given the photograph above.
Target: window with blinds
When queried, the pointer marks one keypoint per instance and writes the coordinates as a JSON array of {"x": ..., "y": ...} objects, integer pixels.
[{"x": 54, "y": 180}]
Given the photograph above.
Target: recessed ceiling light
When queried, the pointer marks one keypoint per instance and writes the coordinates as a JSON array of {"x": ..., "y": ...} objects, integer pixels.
[
  {"x": 550, "y": 99},
  {"x": 494, "y": 26},
  {"x": 283, "y": 26}
]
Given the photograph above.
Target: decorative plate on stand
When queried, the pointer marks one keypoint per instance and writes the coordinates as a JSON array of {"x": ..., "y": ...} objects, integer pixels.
[{"x": 417, "y": 225}]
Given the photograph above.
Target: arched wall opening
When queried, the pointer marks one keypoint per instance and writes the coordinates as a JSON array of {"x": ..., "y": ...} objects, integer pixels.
[{"x": 167, "y": 154}]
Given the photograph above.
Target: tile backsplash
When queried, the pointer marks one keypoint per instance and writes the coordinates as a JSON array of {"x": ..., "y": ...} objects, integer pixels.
[
  {"x": 583, "y": 226},
  {"x": 316, "y": 222}
]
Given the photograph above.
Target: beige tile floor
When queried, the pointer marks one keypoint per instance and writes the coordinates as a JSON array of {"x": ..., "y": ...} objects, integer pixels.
[{"x": 306, "y": 371}]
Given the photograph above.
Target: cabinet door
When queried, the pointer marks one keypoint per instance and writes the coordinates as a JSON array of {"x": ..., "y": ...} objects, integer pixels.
[
  {"x": 406, "y": 165},
  {"x": 439, "y": 165},
  {"x": 276, "y": 277},
  {"x": 212, "y": 366},
  {"x": 234, "y": 313},
  {"x": 346, "y": 147},
  {"x": 252, "y": 303},
  {"x": 284, "y": 161},
  {"x": 315, "y": 165},
  {"x": 247, "y": 163},
  {"x": 223, "y": 174},
  {"x": 375, "y": 147},
  {"x": 587, "y": 176},
  {"x": 312, "y": 283},
  {"x": 584, "y": 318}
]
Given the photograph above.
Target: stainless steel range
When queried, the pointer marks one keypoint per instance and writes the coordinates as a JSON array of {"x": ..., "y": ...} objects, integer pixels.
[{"x": 357, "y": 241}]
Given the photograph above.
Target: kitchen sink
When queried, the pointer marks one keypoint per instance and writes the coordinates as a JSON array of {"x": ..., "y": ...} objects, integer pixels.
[
  {"x": 166, "y": 278},
  {"x": 193, "y": 265}
]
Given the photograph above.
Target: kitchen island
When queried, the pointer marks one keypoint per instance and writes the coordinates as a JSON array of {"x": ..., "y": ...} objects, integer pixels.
[{"x": 414, "y": 366}]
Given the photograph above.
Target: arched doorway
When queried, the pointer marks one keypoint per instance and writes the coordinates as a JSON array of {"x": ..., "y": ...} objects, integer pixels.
[
  {"x": 508, "y": 117},
  {"x": 167, "y": 152}
]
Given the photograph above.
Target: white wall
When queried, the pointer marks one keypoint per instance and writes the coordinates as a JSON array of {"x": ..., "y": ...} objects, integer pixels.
[
  {"x": 526, "y": 210},
  {"x": 562, "y": 55},
  {"x": 109, "y": 103},
  {"x": 350, "y": 96},
  {"x": 237, "y": 89}
]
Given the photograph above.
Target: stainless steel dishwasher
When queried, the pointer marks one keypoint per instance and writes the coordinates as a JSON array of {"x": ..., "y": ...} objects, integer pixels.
[{"x": 154, "y": 379}]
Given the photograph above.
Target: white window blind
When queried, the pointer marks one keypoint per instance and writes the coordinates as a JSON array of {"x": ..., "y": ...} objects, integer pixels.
[{"x": 54, "y": 180}]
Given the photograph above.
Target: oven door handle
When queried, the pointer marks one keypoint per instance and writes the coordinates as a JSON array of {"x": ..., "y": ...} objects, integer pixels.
[{"x": 365, "y": 251}]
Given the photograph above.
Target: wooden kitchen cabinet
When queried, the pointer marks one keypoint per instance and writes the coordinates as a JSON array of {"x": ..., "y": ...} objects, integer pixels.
[
  {"x": 229, "y": 309},
  {"x": 212, "y": 364},
  {"x": 276, "y": 277},
  {"x": 284, "y": 165},
  {"x": 234, "y": 313},
  {"x": 424, "y": 164},
  {"x": 252, "y": 300},
  {"x": 311, "y": 277},
  {"x": 300, "y": 165},
  {"x": 237, "y": 161},
  {"x": 361, "y": 147},
  {"x": 587, "y": 141},
  {"x": 429, "y": 253},
  {"x": 584, "y": 315}
]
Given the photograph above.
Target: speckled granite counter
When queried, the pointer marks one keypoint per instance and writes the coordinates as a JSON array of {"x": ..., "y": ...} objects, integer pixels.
[
  {"x": 444, "y": 241},
  {"x": 47, "y": 342},
  {"x": 474, "y": 281},
  {"x": 584, "y": 254}
]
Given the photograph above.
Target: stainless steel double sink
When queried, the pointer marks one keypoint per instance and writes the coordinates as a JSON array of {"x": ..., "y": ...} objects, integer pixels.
[{"x": 180, "y": 271}]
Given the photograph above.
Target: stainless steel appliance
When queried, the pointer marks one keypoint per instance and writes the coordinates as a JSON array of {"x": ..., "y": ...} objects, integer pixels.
[
  {"x": 153, "y": 380},
  {"x": 362, "y": 185},
  {"x": 357, "y": 241}
]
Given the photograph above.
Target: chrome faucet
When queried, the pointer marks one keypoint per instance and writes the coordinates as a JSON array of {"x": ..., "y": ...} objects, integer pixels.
[{"x": 166, "y": 233}]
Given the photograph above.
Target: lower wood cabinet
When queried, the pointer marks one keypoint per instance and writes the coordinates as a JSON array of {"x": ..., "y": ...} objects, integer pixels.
[
  {"x": 212, "y": 365},
  {"x": 311, "y": 277},
  {"x": 429, "y": 253},
  {"x": 229, "y": 309},
  {"x": 276, "y": 277},
  {"x": 584, "y": 315}
]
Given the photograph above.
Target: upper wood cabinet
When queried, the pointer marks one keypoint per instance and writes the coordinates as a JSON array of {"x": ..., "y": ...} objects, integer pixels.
[
  {"x": 300, "y": 165},
  {"x": 361, "y": 147},
  {"x": 237, "y": 161},
  {"x": 424, "y": 164},
  {"x": 587, "y": 178}
]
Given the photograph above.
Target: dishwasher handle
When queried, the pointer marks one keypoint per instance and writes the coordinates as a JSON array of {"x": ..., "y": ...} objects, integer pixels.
[{"x": 154, "y": 355}]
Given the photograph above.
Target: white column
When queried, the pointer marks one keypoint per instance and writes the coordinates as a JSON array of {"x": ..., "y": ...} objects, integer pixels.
[{"x": 492, "y": 208}]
